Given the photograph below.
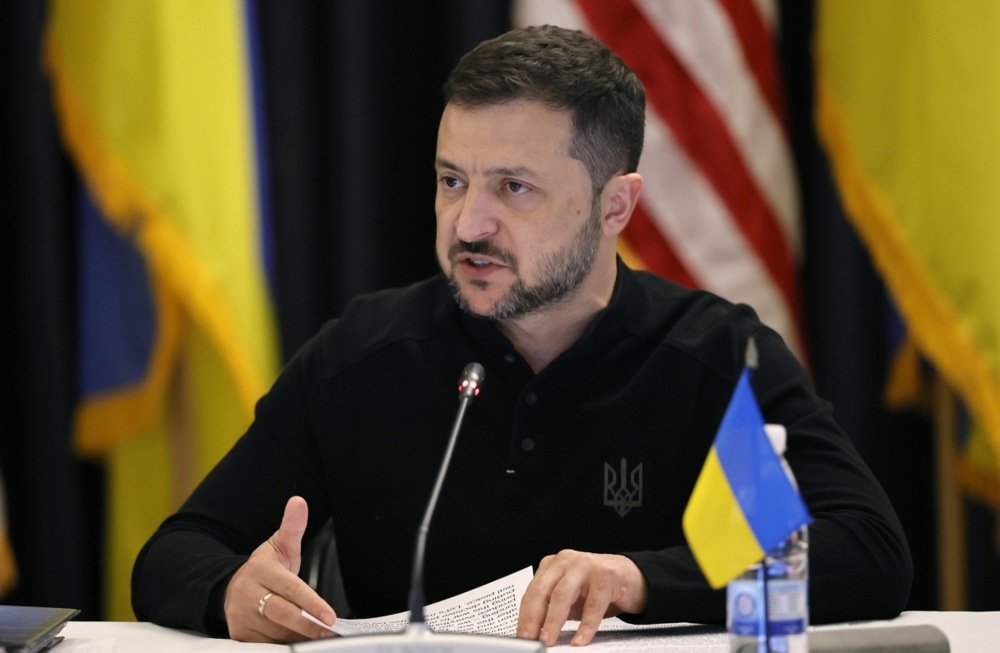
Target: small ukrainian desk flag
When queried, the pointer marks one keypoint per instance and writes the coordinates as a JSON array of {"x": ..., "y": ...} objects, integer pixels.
[{"x": 742, "y": 504}]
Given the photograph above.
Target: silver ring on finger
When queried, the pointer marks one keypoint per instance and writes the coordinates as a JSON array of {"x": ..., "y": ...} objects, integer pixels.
[{"x": 263, "y": 602}]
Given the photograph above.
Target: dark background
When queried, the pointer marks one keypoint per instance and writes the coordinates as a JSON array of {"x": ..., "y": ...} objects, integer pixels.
[{"x": 352, "y": 99}]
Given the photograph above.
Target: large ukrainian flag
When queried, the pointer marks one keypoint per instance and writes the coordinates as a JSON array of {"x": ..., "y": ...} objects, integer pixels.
[
  {"x": 743, "y": 504},
  {"x": 156, "y": 107},
  {"x": 908, "y": 94}
]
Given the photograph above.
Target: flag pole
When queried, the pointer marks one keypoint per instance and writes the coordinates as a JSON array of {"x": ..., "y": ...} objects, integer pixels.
[{"x": 751, "y": 359}]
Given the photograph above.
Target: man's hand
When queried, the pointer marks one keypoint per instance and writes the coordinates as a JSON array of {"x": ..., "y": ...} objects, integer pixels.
[
  {"x": 265, "y": 597},
  {"x": 582, "y": 586}
]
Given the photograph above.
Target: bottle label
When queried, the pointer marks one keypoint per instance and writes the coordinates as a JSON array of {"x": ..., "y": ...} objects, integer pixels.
[
  {"x": 745, "y": 600},
  {"x": 787, "y": 607}
]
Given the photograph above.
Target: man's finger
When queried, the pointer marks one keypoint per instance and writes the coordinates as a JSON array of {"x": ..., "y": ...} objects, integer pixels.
[
  {"x": 287, "y": 540},
  {"x": 595, "y": 607},
  {"x": 566, "y": 593},
  {"x": 296, "y": 593},
  {"x": 535, "y": 602},
  {"x": 286, "y": 615},
  {"x": 268, "y": 631}
]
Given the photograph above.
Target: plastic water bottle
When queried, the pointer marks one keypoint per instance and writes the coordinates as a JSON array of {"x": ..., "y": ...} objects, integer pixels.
[
  {"x": 767, "y": 607},
  {"x": 781, "y": 627}
]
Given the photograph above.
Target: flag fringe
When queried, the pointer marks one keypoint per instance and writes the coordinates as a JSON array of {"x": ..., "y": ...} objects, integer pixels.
[
  {"x": 8, "y": 567},
  {"x": 933, "y": 322}
]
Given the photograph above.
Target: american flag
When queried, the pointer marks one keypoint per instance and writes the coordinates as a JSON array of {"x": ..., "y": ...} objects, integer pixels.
[{"x": 719, "y": 209}]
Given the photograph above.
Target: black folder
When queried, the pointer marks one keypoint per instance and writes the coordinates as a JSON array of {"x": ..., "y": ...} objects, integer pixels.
[{"x": 26, "y": 629}]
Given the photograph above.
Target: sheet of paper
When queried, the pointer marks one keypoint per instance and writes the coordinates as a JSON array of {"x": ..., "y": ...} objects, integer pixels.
[
  {"x": 493, "y": 608},
  {"x": 490, "y": 609},
  {"x": 617, "y": 635}
]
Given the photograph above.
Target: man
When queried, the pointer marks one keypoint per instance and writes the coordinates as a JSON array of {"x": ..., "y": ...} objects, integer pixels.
[{"x": 604, "y": 390}]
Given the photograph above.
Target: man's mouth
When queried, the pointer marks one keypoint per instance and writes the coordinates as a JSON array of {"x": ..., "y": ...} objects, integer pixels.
[{"x": 478, "y": 261}]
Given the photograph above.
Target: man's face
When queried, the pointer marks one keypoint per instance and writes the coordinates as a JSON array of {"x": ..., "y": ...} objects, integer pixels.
[{"x": 518, "y": 228}]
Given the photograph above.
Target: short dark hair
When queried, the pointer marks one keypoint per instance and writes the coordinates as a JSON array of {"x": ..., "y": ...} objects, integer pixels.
[{"x": 564, "y": 69}]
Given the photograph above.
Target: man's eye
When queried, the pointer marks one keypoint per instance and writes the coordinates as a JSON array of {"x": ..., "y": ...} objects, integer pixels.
[
  {"x": 516, "y": 187},
  {"x": 450, "y": 182}
]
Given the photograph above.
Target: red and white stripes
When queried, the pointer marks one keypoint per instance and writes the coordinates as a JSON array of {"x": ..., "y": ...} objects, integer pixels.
[{"x": 719, "y": 208}]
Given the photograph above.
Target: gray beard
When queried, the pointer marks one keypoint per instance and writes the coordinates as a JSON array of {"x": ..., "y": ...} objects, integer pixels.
[{"x": 561, "y": 273}]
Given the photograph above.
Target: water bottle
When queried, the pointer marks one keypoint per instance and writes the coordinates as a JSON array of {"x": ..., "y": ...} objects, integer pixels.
[{"x": 780, "y": 623}]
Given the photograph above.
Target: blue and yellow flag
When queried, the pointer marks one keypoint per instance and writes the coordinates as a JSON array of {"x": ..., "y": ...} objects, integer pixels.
[
  {"x": 907, "y": 96},
  {"x": 156, "y": 106},
  {"x": 743, "y": 504}
]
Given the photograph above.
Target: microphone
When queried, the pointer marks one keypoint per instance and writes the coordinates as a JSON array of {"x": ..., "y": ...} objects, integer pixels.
[
  {"x": 418, "y": 638},
  {"x": 468, "y": 388}
]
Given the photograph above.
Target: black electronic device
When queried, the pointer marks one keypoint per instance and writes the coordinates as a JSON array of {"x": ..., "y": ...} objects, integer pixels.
[{"x": 29, "y": 629}]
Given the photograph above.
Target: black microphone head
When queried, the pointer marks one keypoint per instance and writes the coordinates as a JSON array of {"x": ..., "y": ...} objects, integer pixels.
[{"x": 471, "y": 380}]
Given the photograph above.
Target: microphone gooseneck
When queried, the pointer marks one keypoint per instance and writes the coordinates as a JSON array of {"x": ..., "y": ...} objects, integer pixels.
[{"x": 469, "y": 385}]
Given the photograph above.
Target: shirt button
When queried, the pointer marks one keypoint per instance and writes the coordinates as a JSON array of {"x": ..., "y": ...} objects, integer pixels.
[
  {"x": 509, "y": 358},
  {"x": 527, "y": 444},
  {"x": 530, "y": 398}
]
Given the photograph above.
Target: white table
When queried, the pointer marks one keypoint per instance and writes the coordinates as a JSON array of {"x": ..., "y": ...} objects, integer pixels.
[
  {"x": 967, "y": 632},
  {"x": 143, "y": 637}
]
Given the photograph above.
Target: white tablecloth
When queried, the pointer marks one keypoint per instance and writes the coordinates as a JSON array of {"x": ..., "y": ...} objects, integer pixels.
[{"x": 967, "y": 632}]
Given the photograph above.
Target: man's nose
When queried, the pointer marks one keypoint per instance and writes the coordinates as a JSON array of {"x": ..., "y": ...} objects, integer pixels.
[{"x": 477, "y": 218}]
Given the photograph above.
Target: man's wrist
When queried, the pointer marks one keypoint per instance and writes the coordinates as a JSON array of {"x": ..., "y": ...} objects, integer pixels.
[
  {"x": 215, "y": 611},
  {"x": 636, "y": 589}
]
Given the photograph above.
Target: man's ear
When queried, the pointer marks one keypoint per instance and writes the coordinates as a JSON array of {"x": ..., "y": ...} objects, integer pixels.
[{"x": 618, "y": 200}]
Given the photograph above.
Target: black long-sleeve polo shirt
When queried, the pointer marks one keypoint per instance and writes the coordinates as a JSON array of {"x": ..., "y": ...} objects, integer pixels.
[{"x": 598, "y": 452}]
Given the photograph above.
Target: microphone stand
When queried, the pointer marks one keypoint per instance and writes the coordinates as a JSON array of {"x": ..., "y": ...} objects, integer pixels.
[
  {"x": 417, "y": 637},
  {"x": 468, "y": 388}
]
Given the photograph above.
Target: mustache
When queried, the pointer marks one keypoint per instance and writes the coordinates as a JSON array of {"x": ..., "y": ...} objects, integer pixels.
[{"x": 484, "y": 247}]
